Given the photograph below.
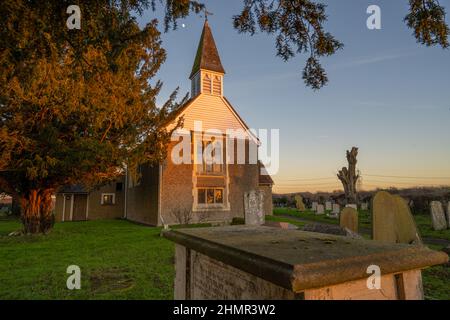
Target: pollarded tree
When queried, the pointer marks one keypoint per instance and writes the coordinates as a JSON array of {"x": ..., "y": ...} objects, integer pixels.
[{"x": 349, "y": 177}]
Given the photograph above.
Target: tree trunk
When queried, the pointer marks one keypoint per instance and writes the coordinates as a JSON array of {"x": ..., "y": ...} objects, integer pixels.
[
  {"x": 36, "y": 212},
  {"x": 349, "y": 178}
]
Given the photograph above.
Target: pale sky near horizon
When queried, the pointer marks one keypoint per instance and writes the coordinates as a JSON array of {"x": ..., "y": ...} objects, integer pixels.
[{"x": 387, "y": 95}]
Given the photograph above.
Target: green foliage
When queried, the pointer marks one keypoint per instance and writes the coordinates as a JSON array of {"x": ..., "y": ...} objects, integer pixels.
[
  {"x": 427, "y": 19},
  {"x": 299, "y": 28},
  {"x": 76, "y": 105}
]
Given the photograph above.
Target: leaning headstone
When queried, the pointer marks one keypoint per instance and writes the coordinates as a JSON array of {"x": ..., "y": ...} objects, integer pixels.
[
  {"x": 254, "y": 208},
  {"x": 405, "y": 226},
  {"x": 352, "y": 205},
  {"x": 336, "y": 208},
  {"x": 364, "y": 206},
  {"x": 314, "y": 206},
  {"x": 392, "y": 220},
  {"x": 437, "y": 216},
  {"x": 349, "y": 219},
  {"x": 299, "y": 203},
  {"x": 320, "y": 209},
  {"x": 328, "y": 205},
  {"x": 383, "y": 217}
]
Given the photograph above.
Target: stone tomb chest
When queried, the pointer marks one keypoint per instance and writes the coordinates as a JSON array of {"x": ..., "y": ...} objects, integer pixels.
[{"x": 258, "y": 262}]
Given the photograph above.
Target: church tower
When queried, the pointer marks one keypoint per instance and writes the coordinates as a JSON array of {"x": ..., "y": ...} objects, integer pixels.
[{"x": 207, "y": 72}]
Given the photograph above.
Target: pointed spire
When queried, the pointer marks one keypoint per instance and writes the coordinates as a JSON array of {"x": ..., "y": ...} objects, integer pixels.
[{"x": 207, "y": 55}]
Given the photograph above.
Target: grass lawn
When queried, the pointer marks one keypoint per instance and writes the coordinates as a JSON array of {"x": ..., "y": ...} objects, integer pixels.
[
  {"x": 118, "y": 260},
  {"x": 423, "y": 221}
]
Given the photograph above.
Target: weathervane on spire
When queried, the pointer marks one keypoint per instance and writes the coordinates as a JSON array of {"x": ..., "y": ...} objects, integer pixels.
[{"x": 207, "y": 13}]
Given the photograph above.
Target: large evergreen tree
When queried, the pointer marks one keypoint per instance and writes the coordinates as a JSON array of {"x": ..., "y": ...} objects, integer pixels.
[{"x": 76, "y": 105}]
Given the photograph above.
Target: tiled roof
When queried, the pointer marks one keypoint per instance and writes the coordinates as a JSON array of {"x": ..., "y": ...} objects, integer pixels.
[{"x": 207, "y": 56}]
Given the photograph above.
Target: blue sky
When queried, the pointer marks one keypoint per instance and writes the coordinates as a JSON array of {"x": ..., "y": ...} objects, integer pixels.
[{"x": 387, "y": 95}]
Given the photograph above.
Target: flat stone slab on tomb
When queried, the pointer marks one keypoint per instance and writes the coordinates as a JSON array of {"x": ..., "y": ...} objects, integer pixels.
[{"x": 299, "y": 260}]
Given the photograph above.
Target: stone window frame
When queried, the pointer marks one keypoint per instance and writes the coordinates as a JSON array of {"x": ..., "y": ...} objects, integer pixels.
[
  {"x": 214, "y": 189},
  {"x": 200, "y": 168},
  {"x": 102, "y": 199}
]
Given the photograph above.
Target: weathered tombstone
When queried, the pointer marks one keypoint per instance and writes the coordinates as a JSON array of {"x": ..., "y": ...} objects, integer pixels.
[
  {"x": 299, "y": 203},
  {"x": 257, "y": 262},
  {"x": 383, "y": 217},
  {"x": 254, "y": 208},
  {"x": 352, "y": 205},
  {"x": 392, "y": 220},
  {"x": 328, "y": 205},
  {"x": 314, "y": 206},
  {"x": 336, "y": 208},
  {"x": 349, "y": 219},
  {"x": 437, "y": 216},
  {"x": 364, "y": 206},
  {"x": 320, "y": 209},
  {"x": 405, "y": 226}
]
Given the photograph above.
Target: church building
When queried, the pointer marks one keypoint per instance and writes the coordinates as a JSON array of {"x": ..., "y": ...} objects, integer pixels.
[{"x": 201, "y": 190}]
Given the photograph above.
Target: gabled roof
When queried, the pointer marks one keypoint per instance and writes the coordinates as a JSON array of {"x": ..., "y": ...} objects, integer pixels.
[
  {"x": 207, "y": 56},
  {"x": 178, "y": 112}
]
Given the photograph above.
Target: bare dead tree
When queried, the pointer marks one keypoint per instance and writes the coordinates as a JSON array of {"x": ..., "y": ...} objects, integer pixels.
[{"x": 348, "y": 176}]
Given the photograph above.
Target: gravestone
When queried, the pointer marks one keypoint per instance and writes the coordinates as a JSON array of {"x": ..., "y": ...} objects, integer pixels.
[
  {"x": 437, "y": 216},
  {"x": 336, "y": 208},
  {"x": 352, "y": 205},
  {"x": 405, "y": 226},
  {"x": 299, "y": 203},
  {"x": 328, "y": 205},
  {"x": 349, "y": 219},
  {"x": 364, "y": 206},
  {"x": 392, "y": 220},
  {"x": 257, "y": 262},
  {"x": 314, "y": 206},
  {"x": 383, "y": 217},
  {"x": 320, "y": 209},
  {"x": 254, "y": 208}
]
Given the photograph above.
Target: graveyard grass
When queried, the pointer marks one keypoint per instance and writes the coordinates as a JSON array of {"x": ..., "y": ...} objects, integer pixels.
[
  {"x": 118, "y": 260},
  {"x": 423, "y": 221}
]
